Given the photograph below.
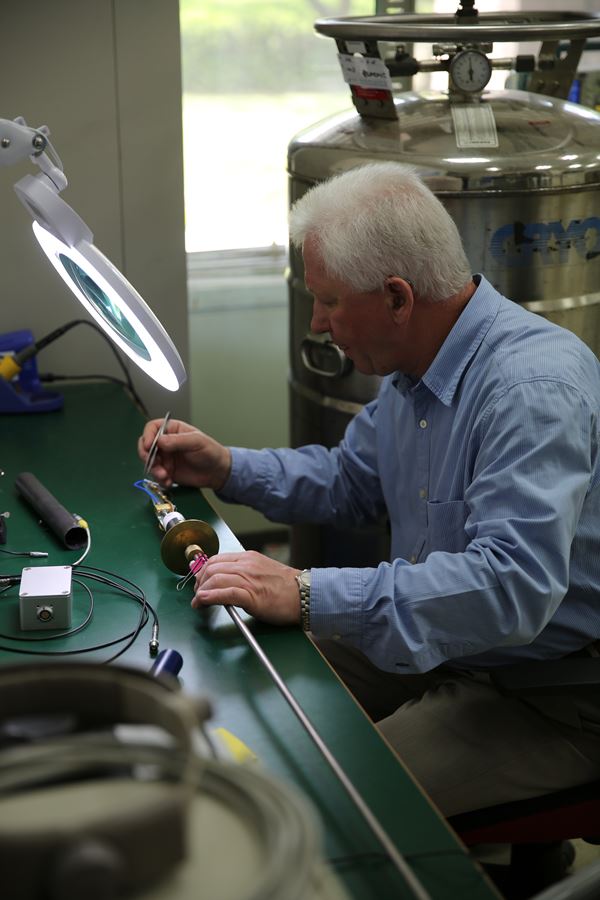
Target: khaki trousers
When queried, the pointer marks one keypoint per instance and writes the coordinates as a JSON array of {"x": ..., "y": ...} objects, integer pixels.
[{"x": 467, "y": 744}]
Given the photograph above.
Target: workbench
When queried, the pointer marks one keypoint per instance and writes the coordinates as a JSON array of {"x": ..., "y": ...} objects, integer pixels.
[{"x": 85, "y": 454}]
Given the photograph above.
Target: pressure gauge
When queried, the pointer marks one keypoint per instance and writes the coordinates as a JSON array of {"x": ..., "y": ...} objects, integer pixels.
[{"x": 470, "y": 71}]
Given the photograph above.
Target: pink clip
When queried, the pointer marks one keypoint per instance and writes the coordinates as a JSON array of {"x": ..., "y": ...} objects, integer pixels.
[{"x": 196, "y": 564}]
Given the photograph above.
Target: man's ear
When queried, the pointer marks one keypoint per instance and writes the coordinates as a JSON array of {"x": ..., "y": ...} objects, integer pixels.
[{"x": 399, "y": 293}]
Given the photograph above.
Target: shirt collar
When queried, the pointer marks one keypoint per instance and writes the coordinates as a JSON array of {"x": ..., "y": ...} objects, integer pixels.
[{"x": 457, "y": 351}]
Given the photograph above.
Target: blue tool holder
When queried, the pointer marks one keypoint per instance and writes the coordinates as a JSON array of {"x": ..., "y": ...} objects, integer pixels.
[{"x": 24, "y": 393}]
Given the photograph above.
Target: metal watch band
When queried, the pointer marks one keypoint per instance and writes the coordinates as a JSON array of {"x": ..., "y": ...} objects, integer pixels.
[{"x": 303, "y": 581}]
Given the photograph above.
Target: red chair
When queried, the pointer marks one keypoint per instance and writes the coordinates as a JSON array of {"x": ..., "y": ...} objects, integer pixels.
[{"x": 538, "y": 829}]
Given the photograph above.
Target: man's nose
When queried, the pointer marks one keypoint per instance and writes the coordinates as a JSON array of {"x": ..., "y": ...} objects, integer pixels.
[{"x": 319, "y": 322}]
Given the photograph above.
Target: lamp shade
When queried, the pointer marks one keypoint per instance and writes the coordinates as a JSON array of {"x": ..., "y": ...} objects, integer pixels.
[{"x": 104, "y": 292}]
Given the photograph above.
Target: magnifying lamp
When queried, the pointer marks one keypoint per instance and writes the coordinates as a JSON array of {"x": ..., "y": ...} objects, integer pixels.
[{"x": 68, "y": 243}]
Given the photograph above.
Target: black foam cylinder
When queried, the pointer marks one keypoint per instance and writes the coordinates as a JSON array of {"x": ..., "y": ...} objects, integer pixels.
[{"x": 50, "y": 511}]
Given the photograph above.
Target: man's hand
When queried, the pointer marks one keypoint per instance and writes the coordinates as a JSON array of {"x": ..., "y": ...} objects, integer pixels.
[
  {"x": 185, "y": 456},
  {"x": 262, "y": 586}
]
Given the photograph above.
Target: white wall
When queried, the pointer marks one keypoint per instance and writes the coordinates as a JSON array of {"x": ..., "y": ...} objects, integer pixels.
[{"x": 104, "y": 75}]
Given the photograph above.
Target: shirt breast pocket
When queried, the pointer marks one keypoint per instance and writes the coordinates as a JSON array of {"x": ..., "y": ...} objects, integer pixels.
[{"x": 446, "y": 526}]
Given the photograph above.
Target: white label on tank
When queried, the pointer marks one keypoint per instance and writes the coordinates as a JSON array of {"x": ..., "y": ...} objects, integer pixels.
[
  {"x": 474, "y": 126},
  {"x": 365, "y": 71}
]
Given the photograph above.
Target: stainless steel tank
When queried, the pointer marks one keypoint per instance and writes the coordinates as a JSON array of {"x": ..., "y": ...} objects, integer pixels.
[{"x": 527, "y": 209}]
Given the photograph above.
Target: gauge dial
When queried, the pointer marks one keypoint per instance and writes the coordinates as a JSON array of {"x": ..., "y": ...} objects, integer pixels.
[{"x": 470, "y": 71}]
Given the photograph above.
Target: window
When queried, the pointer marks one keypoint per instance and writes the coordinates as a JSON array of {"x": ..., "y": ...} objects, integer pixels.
[{"x": 254, "y": 74}]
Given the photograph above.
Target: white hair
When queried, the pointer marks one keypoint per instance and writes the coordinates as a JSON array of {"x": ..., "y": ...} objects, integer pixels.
[{"x": 379, "y": 220}]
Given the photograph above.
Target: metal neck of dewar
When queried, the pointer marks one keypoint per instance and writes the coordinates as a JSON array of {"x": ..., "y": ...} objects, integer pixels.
[{"x": 368, "y": 68}]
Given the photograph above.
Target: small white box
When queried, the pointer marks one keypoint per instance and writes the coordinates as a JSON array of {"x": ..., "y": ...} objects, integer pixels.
[{"x": 45, "y": 597}]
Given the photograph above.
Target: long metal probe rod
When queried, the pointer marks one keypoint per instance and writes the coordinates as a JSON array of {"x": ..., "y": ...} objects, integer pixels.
[{"x": 374, "y": 824}]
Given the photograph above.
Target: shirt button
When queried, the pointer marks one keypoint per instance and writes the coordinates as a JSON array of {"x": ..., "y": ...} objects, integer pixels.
[
  {"x": 337, "y": 637},
  {"x": 422, "y": 493},
  {"x": 413, "y": 559},
  {"x": 423, "y": 423}
]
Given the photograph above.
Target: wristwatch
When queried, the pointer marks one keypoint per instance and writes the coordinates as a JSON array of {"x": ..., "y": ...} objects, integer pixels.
[{"x": 303, "y": 580}]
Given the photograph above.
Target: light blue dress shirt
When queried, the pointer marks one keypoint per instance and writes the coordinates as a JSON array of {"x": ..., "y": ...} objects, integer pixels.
[{"x": 489, "y": 471}]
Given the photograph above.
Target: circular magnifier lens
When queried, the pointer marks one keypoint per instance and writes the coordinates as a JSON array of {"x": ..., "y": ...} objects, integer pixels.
[{"x": 110, "y": 312}]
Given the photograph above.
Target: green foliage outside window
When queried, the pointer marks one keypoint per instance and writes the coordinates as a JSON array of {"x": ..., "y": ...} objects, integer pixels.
[{"x": 264, "y": 46}]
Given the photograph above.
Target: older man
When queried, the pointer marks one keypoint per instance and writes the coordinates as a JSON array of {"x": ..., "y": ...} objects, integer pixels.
[{"x": 482, "y": 448}]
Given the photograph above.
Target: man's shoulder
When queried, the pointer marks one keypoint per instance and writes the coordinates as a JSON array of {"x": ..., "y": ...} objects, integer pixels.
[
  {"x": 523, "y": 349},
  {"x": 525, "y": 345}
]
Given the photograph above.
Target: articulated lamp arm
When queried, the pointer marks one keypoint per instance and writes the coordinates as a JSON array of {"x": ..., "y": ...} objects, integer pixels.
[{"x": 19, "y": 141}]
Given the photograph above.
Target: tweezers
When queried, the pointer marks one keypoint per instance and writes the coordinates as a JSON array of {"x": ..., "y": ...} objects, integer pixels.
[{"x": 154, "y": 446}]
